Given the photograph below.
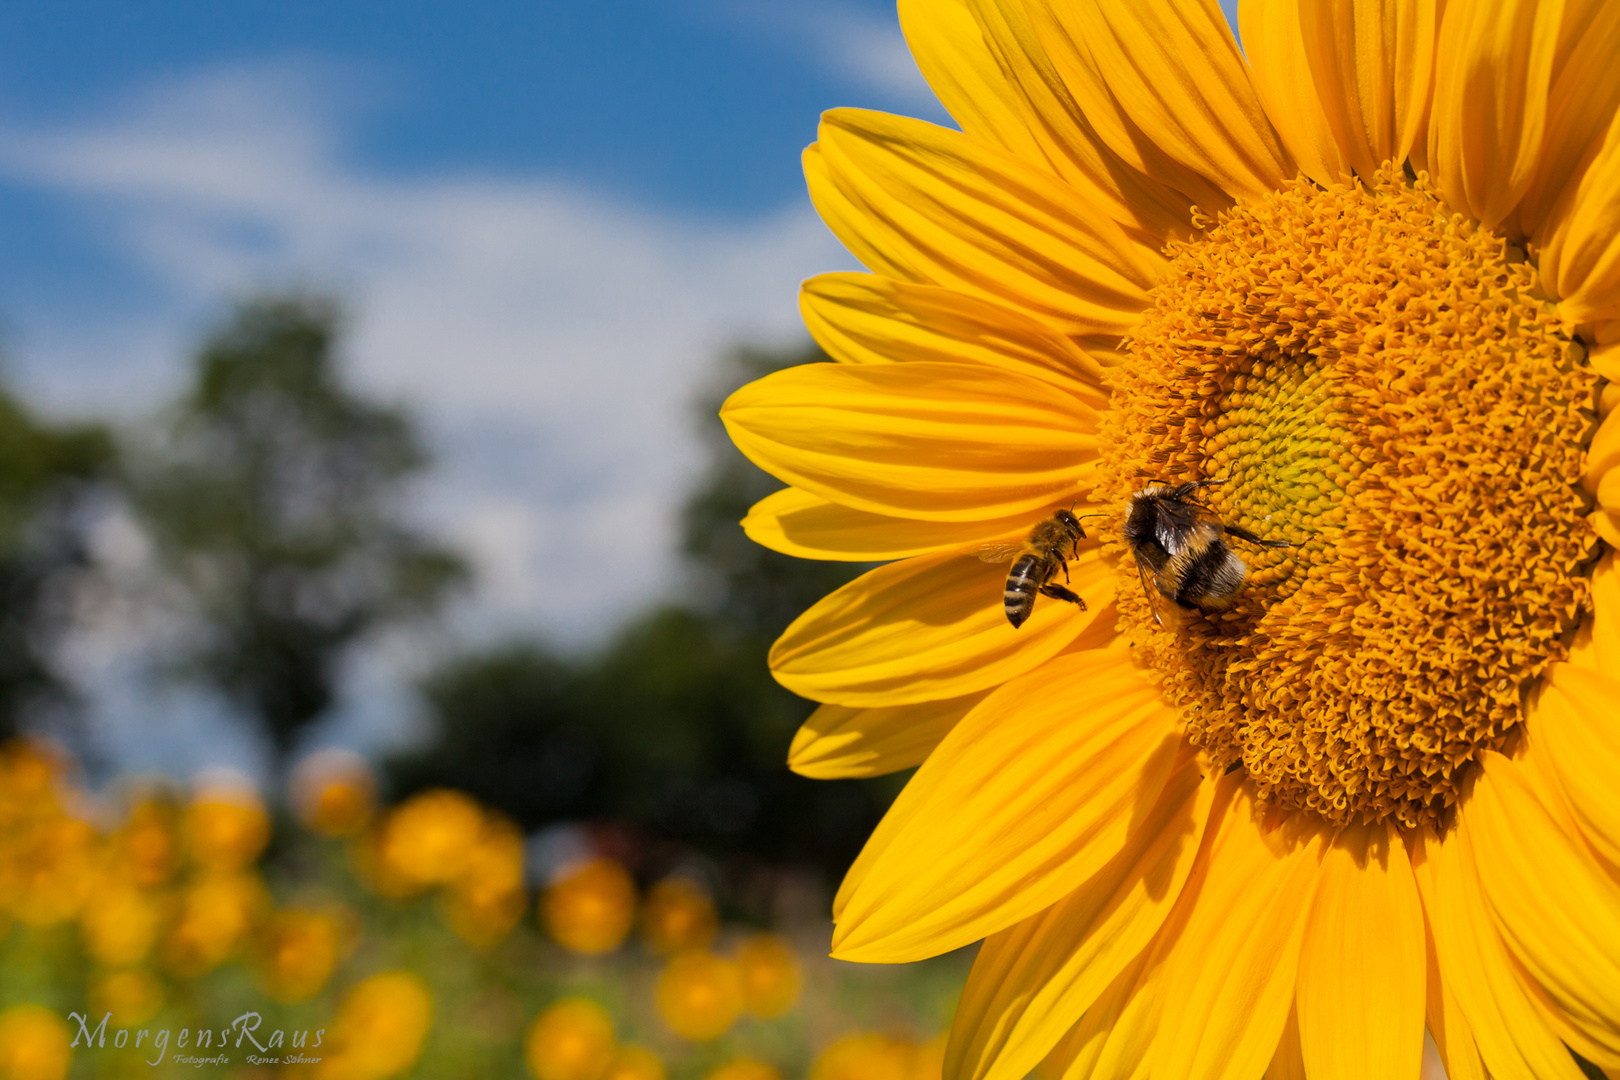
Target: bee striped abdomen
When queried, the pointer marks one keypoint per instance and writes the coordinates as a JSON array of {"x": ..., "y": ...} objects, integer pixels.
[{"x": 1029, "y": 572}]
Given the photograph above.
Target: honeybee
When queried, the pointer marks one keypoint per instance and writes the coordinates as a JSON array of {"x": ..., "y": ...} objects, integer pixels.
[
  {"x": 1181, "y": 546},
  {"x": 1036, "y": 561}
]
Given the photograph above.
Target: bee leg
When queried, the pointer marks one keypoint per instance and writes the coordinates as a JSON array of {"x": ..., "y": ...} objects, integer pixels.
[
  {"x": 1245, "y": 534},
  {"x": 1058, "y": 592},
  {"x": 1189, "y": 489}
]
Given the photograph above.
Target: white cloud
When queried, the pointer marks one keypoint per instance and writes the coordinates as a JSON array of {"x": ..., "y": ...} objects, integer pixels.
[{"x": 550, "y": 339}]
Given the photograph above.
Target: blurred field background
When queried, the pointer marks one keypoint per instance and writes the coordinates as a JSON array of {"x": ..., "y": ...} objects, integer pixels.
[
  {"x": 590, "y": 865},
  {"x": 379, "y": 651}
]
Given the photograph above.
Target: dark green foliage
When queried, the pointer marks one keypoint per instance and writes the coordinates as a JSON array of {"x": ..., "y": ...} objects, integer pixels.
[
  {"x": 274, "y": 501},
  {"x": 46, "y": 474},
  {"x": 677, "y": 726},
  {"x": 677, "y": 729}
]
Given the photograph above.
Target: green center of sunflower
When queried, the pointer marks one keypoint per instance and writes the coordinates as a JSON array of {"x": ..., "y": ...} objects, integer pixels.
[{"x": 1378, "y": 382}]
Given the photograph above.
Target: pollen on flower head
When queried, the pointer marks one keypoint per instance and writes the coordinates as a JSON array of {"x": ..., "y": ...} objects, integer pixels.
[{"x": 1380, "y": 382}]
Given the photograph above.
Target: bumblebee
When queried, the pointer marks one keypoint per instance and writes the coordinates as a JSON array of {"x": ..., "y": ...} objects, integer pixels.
[
  {"x": 1181, "y": 550},
  {"x": 1048, "y": 549}
]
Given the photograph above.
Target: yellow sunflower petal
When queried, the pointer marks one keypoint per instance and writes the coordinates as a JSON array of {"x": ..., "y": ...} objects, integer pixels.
[
  {"x": 1118, "y": 1037},
  {"x": 1605, "y": 360},
  {"x": 1597, "y": 646},
  {"x": 1274, "y": 43},
  {"x": 1556, "y": 909},
  {"x": 1603, "y": 454},
  {"x": 1581, "y": 258},
  {"x": 1115, "y": 1039},
  {"x": 1573, "y": 724},
  {"x": 1508, "y": 1031},
  {"x": 1540, "y": 781},
  {"x": 1493, "y": 67},
  {"x": 925, "y": 204},
  {"x": 968, "y": 78},
  {"x": 866, "y": 319},
  {"x": 1172, "y": 68},
  {"x": 1599, "y": 1054},
  {"x": 838, "y": 741},
  {"x": 1231, "y": 976},
  {"x": 987, "y": 68},
  {"x": 798, "y": 523},
  {"x": 1084, "y": 84},
  {"x": 1606, "y": 525},
  {"x": 1361, "y": 970},
  {"x": 1585, "y": 91},
  {"x": 1035, "y": 790},
  {"x": 929, "y": 628},
  {"x": 1372, "y": 62},
  {"x": 1032, "y": 982},
  {"x": 1608, "y": 492},
  {"x": 1444, "y": 1018},
  {"x": 1288, "y": 1062},
  {"x": 941, "y": 442}
]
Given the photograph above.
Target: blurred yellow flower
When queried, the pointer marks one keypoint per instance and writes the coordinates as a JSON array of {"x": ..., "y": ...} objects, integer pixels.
[
  {"x": 48, "y": 870},
  {"x": 570, "y": 1040},
  {"x": 133, "y": 996},
  {"x": 486, "y": 900},
  {"x": 635, "y": 1063},
  {"x": 32, "y": 772},
  {"x": 700, "y": 995},
  {"x": 745, "y": 1068},
  {"x": 226, "y": 826},
  {"x": 216, "y": 914},
  {"x": 678, "y": 915},
  {"x": 334, "y": 793},
  {"x": 379, "y": 1028},
  {"x": 928, "y": 1063},
  {"x": 771, "y": 977},
  {"x": 145, "y": 850},
  {"x": 119, "y": 923},
  {"x": 296, "y": 952},
  {"x": 866, "y": 1056},
  {"x": 591, "y": 908},
  {"x": 34, "y": 1044},
  {"x": 429, "y": 837},
  {"x": 365, "y": 856}
]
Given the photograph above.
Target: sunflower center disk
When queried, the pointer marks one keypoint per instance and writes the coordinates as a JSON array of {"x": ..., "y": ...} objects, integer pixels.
[{"x": 1381, "y": 385}]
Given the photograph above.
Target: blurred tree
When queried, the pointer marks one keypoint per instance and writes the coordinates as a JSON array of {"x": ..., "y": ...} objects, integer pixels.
[
  {"x": 47, "y": 473},
  {"x": 677, "y": 726},
  {"x": 273, "y": 499}
]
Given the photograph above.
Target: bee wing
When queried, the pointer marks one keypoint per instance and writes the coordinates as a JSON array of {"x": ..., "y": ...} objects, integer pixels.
[
  {"x": 1150, "y": 588},
  {"x": 1000, "y": 551}
]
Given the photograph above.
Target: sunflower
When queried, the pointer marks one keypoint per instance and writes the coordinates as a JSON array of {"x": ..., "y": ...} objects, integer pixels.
[{"x": 1366, "y": 274}]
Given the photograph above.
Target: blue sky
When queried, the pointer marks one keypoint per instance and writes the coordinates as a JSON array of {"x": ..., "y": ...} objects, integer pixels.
[
  {"x": 698, "y": 107},
  {"x": 546, "y": 220},
  {"x": 157, "y": 160},
  {"x": 701, "y": 104}
]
